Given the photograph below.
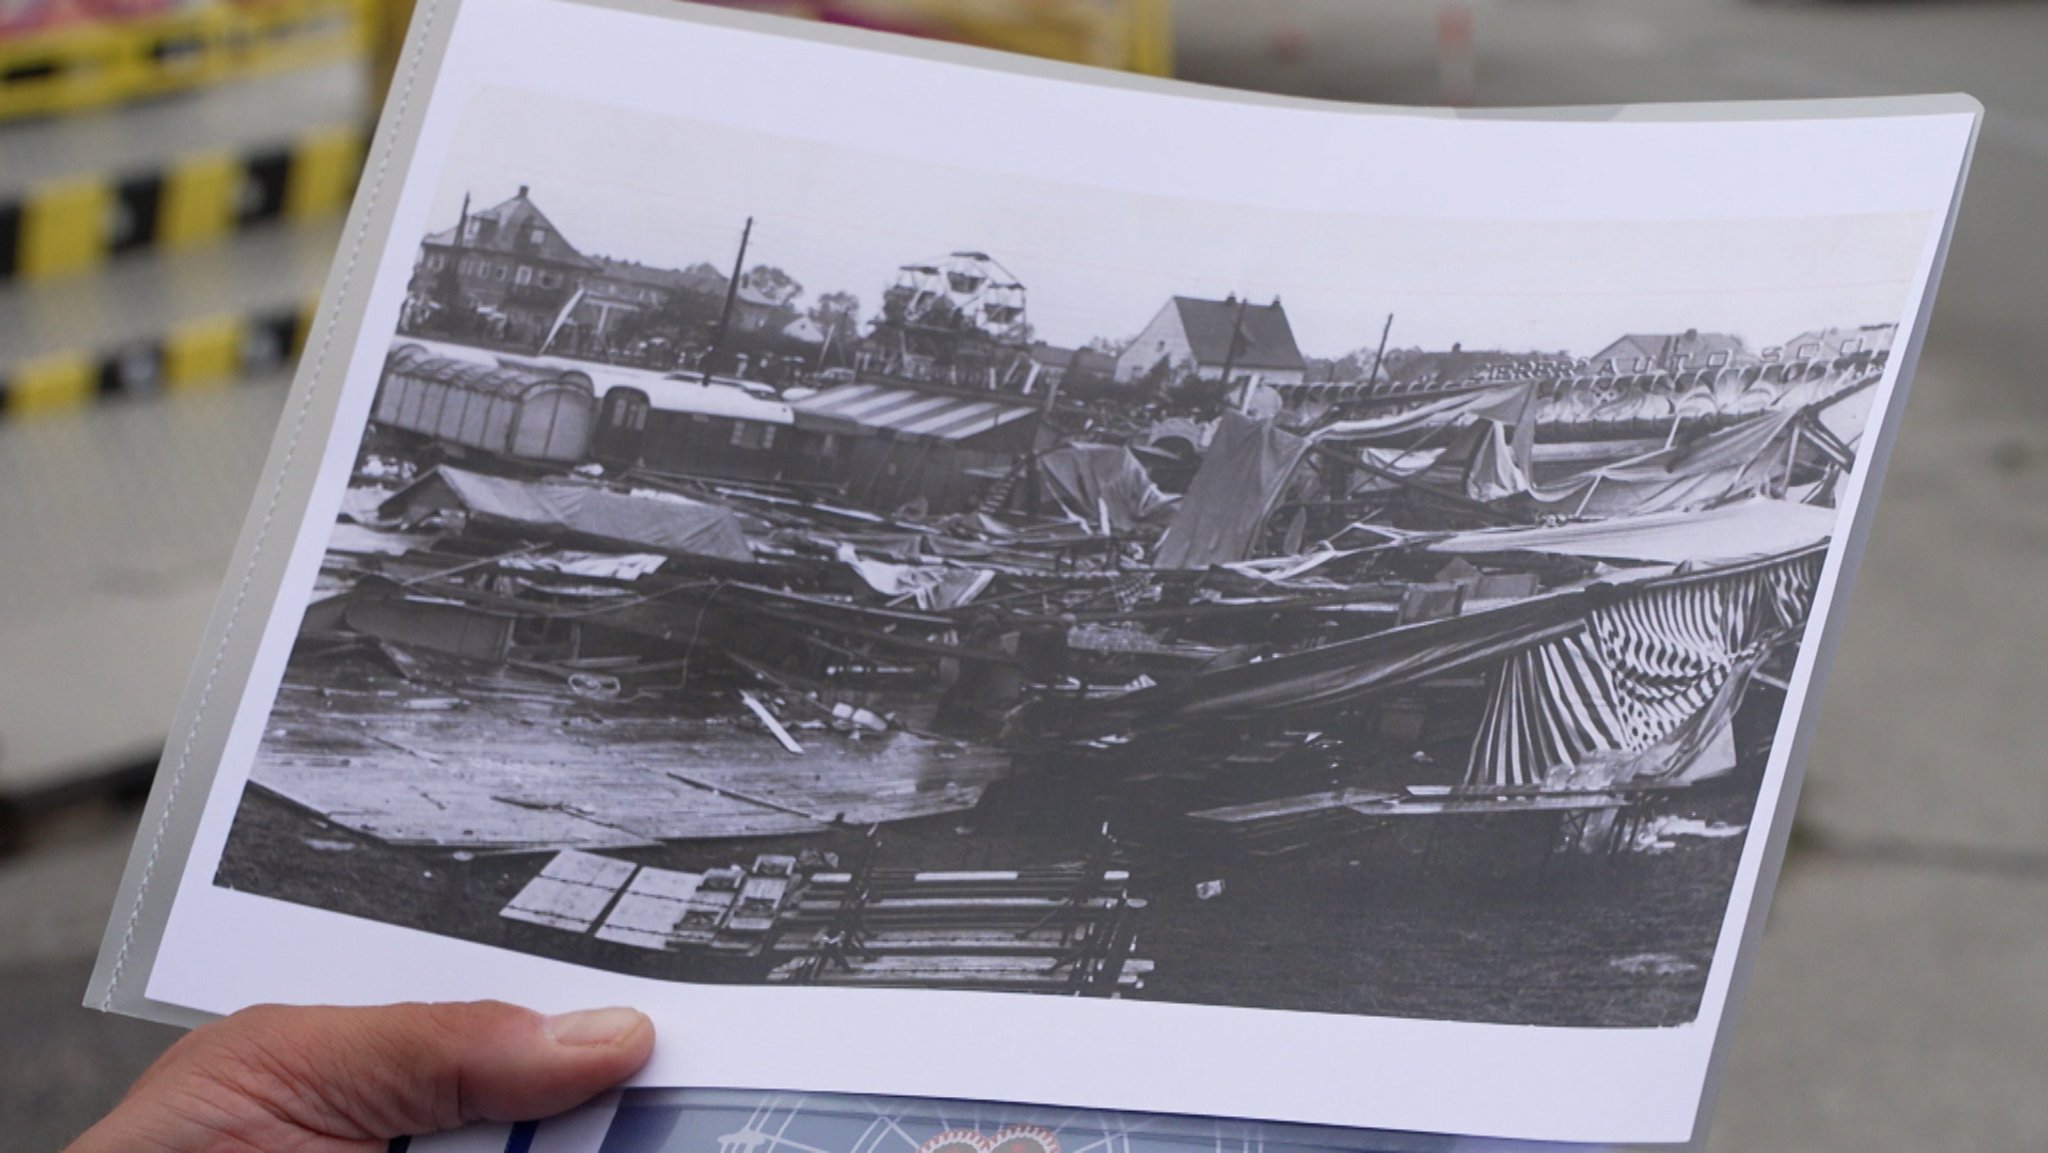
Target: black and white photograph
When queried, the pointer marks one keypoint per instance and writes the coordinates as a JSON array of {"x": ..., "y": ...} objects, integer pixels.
[{"x": 773, "y": 561}]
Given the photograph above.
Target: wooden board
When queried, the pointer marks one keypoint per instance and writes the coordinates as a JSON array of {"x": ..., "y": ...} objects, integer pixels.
[
  {"x": 885, "y": 877},
  {"x": 1292, "y": 806},
  {"x": 1046, "y": 942},
  {"x": 650, "y": 909},
  {"x": 964, "y": 972},
  {"x": 571, "y": 892},
  {"x": 1493, "y": 806},
  {"x": 498, "y": 773}
]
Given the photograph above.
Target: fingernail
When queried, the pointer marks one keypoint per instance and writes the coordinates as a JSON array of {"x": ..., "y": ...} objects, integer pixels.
[{"x": 591, "y": 1027}]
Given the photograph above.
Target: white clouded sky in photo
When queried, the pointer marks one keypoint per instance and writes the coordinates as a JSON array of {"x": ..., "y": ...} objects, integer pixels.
[{"x": 1100, "y": 261}]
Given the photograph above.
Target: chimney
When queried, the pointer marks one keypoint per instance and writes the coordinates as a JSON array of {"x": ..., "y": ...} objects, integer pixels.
[{"x": 522, "y": 192}]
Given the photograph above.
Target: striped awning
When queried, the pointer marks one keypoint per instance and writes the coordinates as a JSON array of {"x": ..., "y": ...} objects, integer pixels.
[
  {"x": 1659, "y": 665},
  {"x": 897, "y": 411}
]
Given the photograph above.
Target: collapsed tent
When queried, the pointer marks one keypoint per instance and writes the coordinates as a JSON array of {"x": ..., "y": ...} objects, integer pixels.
[
  {"x": 1497, "y": 467},
  {"x": 1601, "y": 668},
  {"x": 1242, "y": 476},
  {"x": 1740, "y": 531},
  {"x": 1487, "y": 458},
  {"x": 1750, "y": 457},
  {"x": 930, "y": 587},
  {"x": 1344, "y": 672},
  {"x": 1648, "y": 686},
  {"x": 577, "y": 512},
  {"x": 1507, "y": 404},
  {"x": 1097, "y": 481}
]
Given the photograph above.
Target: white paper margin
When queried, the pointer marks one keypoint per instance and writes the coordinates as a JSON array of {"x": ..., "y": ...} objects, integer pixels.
[{"x": 223, "y": 950}]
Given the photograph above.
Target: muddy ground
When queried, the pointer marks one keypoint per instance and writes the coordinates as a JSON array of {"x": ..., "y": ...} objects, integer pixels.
[{"x": 1486, "y": 925}]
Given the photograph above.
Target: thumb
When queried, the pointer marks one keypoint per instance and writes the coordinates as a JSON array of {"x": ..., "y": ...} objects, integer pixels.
[{"x": 391, "y": 1071}]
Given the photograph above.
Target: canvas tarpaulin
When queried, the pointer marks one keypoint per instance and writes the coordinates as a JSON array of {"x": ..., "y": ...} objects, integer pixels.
[
  {"x": 1489, "y": 458},
  {"x": 1498, "y": 467},
  {"x": 930, "y": 587},
  {"x": 1647, "y": 686},
  {"x": 1087, "y": 479},
  {"x": 906, "y": 413},
  {"x": 1344, "y": 672},
  {"x": 1742, "y": 531},
  {"x": 1241, "y": 479},
  {"x": 579, "y": 511},
  {"x": 1348, "y": 672},
  {"x": 1506, "y": 405},
  {"x": 1751, "y": 457}
]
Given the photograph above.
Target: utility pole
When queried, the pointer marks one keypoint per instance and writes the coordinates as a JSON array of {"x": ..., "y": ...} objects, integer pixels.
[
  {"x": 732, "y": 292},
  {"x": 1230, "y": 356},
  {"x": 1380, "y": 354},
  {"x": 448, "y": 282}
]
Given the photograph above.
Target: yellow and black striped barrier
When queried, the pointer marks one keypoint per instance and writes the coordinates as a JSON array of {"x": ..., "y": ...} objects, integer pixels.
[
  {"x": 89, "y": 64},
  {"x": 205, "y": 353},
  {"x": 76, "y": 224},
  {"x": 1134, "y": 35}
]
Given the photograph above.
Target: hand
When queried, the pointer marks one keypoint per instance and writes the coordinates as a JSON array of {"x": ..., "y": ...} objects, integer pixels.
[{"x": 274, "y": 1079}]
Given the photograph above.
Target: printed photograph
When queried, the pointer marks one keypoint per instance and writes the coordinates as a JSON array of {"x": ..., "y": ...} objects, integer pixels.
[{"x": 789, "y": 562}]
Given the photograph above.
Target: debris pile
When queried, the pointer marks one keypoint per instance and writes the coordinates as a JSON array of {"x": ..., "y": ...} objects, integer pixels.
[{"x": 1068, "y": 928}]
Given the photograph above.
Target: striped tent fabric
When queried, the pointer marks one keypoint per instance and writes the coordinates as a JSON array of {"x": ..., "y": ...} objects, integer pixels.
[
  {"x": 1552, "y": 705},
  {"x": 1637, "y": 670},
  {"x": 906, "y": 413}
]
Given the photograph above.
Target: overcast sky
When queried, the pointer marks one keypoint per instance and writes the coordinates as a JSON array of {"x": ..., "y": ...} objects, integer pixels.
[{"x": 1099, "y": 261}]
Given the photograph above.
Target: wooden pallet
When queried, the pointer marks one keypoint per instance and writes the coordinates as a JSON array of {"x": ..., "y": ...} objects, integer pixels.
[
  {"x": 1063, "y": 929},
  {"x": 982, "y": 974},
  {"x": 571, "y": 892}
]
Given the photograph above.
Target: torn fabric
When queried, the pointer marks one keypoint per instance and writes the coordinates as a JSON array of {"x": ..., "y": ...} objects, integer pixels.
[
  {"x": 1660, "y": 671},
  {"x": 1507, "y": 404},
  {"x": 1090, "y": 479},
  {"x": 1242, "y": 476},
  {"x": 932, "y": 587},
  {"x": 1743, "y": 459},
  {"x": 1348, "y": 672},
  {"x": 1732, "y": 533},
  {"x": 576, "y": 511}
]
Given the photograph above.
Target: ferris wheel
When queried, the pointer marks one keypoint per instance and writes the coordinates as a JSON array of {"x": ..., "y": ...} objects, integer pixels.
[{"x": 963, "y": 289}]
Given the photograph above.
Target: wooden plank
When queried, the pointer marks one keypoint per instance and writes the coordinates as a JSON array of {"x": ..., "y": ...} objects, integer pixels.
[
  {"x": 650, "y": 909},
  {"x": 571, "y": 892},
  {"x": 942, "y": 877},
  {"x": 773, "y": 725},
  {"x": 1018, "y": 982},
  {"x": 1492, "y": 807},
  {"x": 1304, "y": 804},
  {"x": 979, "y": 966},
  {"x": 1046, "y": 942},
  {"x": 937, "y": 971},
  {"x": 454, "y": 779},
  {"x": 975, "y": 904}
]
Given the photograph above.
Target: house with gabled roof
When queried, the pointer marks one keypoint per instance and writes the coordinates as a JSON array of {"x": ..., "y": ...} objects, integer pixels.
[
  {"x": 507, "y": 265},
  {"x": 1204, "y": 338},
  {"x": 514, "y": 273}
]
